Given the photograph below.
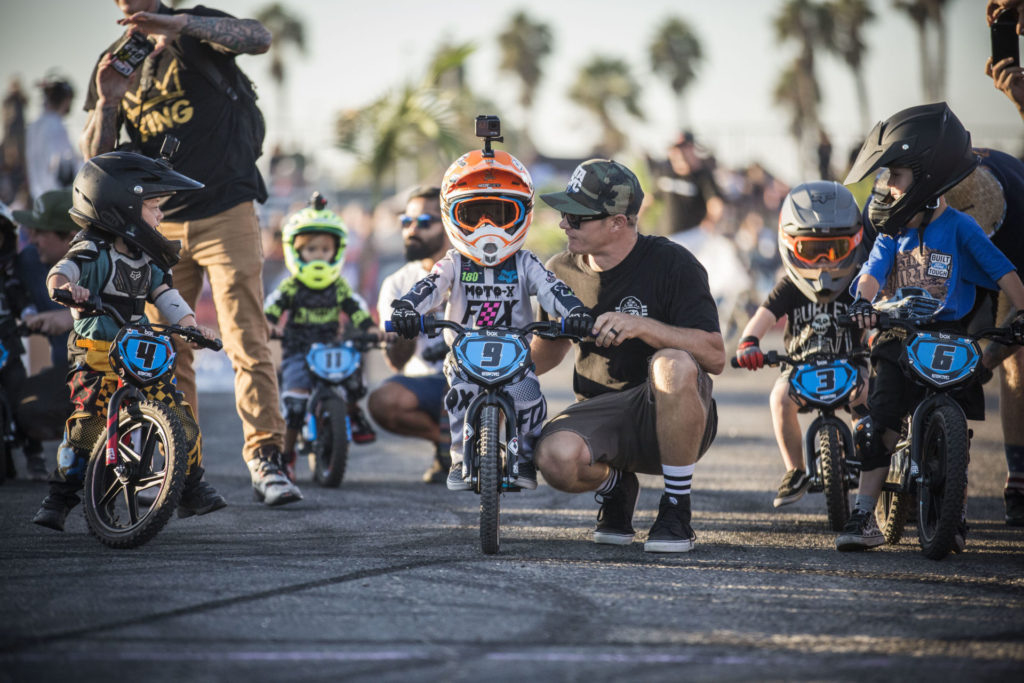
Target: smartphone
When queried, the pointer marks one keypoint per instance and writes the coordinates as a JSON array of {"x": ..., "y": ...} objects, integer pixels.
[
  {"x": 130, "y": 52},
  {"x": 1005, "y": 42}
]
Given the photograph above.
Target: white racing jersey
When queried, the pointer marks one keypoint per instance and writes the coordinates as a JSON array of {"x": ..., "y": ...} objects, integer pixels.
[{"x": 491, "y": 296}]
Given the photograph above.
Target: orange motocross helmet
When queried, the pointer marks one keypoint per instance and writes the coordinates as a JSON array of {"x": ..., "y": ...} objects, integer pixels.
[{"x": 487, "y": 206}]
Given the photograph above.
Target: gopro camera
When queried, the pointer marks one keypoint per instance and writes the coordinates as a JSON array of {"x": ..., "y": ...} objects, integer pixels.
[
  {"x": 130, "y": 52},
  {"x": 488, "y": 127}
]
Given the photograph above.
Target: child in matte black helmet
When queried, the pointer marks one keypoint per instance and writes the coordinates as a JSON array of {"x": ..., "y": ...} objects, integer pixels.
[
  {"x": 120, "y": 257},
  {"x": 821, "y": 242},
  {"x": 922, "y": 243}
]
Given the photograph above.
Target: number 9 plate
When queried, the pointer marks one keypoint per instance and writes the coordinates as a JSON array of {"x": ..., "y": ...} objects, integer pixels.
[{"x": 489, "y": 356}]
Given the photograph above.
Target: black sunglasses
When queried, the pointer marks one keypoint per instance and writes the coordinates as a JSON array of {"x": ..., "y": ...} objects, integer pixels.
[
  {"x": 423, "y": 221},
  {"x": 574, "y": 220}
]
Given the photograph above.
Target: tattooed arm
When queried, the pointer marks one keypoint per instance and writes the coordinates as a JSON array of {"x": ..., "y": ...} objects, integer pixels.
[
  {"x": 228, "y": 34},
  {"x": 102, "y": 128}
]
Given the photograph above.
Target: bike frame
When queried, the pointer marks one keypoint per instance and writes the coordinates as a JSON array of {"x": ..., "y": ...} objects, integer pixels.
[{"x": 491, "y": 396}]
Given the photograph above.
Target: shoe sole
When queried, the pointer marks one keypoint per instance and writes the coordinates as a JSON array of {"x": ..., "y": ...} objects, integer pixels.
[
  {"x": 283, "y": 499},
  {"x": 522, "y": 483},
  {"x": 683, "y": 546},
  {"x": 611, "y": 538},
  {"x": 855, "y": 545},
  {"x": 184, "y": 513},
  {"x": 792, "y": 498},
  {"x": 455, "y": 487}
]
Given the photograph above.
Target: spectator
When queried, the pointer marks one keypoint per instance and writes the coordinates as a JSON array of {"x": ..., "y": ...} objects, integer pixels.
[
  {"x": 1007, "y": 76},
  {"x": 687, "y": 184},
  {"x": 193, "y": 72},
  {"x": 412, "y": 403},
  {"x": 50, "y": 159}
]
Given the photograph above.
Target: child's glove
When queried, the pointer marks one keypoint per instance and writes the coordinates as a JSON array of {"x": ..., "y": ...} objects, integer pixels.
[
  {"x": 405, "y": 319},
  {"x": 748, "y": 354},
  {"x": 862, "y": 312},
  {"x": 579, "y": 322}
]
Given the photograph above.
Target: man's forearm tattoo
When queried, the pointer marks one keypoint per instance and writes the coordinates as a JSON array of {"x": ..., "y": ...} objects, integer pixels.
[
  {"x": 246, "y": 36},
  {"x": 101, "y": 131}
]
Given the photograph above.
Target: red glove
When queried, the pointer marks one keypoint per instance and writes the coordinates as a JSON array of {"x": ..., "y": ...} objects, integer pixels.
[{"x": 748, "y": 354}]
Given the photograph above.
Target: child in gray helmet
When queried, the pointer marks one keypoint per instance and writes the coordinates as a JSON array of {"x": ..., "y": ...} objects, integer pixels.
[
  {"x": 822, "y": 245},
  {"x": 120, "y": 257}
]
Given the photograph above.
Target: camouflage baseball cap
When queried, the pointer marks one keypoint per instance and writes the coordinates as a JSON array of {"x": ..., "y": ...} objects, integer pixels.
[
  {"x": 49, "y": 213},
  {"x": 599, "y": 186}
]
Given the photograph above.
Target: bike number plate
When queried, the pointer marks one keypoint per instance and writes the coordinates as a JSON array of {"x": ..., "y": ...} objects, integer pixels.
[
  {"x": 942, "y": 359},
  {"x": 824, "y": 382},
  {"x": 489, "y": 356},
  {"x": 332, "y": 362},
  {"x": 142, "y": 355}
]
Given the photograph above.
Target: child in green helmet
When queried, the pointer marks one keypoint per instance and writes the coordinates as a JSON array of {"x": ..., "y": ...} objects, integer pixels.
[{"x": 314, "y": 296}]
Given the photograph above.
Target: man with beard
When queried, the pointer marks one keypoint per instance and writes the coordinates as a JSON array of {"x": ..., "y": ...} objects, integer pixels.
[{"x": 411, "y": 403}]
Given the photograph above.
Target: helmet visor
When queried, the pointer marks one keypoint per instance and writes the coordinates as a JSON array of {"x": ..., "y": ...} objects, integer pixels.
[
  {"x": 470, "y": 213},
  {"x": 814, "y": 250}
]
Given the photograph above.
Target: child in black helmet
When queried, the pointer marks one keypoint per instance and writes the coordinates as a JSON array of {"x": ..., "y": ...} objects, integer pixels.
[
  {"x": 922, "y": 243},
  {"x": 822, "y": 245},
  {"x": 120, "y": 257}
]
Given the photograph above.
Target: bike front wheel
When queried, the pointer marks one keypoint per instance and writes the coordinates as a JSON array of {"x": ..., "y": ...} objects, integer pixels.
[
  {"x": 329, "y": 456},
  {"x": 943, "y": 488},
  {"x": 128, "y": 502},
  {"x": 833, "y": 476},
  {"x": 490, "y": 476}
]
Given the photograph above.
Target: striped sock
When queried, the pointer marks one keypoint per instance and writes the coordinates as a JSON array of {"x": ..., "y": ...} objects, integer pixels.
[
  {"x": 677, "y": 480},
  {"x": 609, "y": 483}
]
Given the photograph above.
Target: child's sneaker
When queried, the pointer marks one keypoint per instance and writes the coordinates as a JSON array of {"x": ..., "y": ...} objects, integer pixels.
[
  {"x": 455, "y": 482},
  {"x": 269, "y": 482},
  {"x": 527, "y": 476},
  {"x": 437, "y": 473},
  {"x": 362, "y": 431},
  {"x": 1014, "y": 501},
  {"x": 793, "y": 487},
  {"x": 200, "y": 498},
  {"x": 54, "y": 510},
  {"x": 860, "y": 533}
]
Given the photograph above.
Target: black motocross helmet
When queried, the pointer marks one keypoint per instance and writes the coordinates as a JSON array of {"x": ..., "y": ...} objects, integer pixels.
[
  {"x": 108, "y": 194},
  {"x": 929, "y": 140}
]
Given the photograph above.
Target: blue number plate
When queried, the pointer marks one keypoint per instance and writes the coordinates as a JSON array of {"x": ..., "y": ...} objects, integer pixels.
[
  {"x": 332, "y": 362},
  {"x": 144, "y": 355},
  {"x": 825, "y": 383},
  {"x": 490, "y": 356},
  {"x": 942, "y": 359}
]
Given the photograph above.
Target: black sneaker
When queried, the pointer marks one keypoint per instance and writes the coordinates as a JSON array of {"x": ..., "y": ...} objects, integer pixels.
[
  {"x": 54, "y": 511},
  {"x": 860, "y": 533},
  {"x": 527, "y": 475},
  {"x": 362, "y": 431},
  {"x": 455, "y": 482},
  {"x": 1014, "y": 500},
  {"x": 671, "y": 532},
  {"x": 793, "y": 487},
  {"x": 615, "y": 518},
  {"x": 200, "y": 499},
  {"x": 437, "y": 473}
]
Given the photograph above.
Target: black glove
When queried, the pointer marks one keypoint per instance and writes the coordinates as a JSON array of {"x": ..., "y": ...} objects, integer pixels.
[
  {"x": 860, "y": 310},
  {"x": 579, "y": 322},
  {"x": 405, "y": 319}
]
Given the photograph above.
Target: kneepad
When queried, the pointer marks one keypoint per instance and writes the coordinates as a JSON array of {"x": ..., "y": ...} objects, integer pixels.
[
  {"x": 294, "y": 411},
  {"x": 870, "y": 453}
]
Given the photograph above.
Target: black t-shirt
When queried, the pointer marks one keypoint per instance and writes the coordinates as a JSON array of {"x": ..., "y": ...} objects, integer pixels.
[
  {"x": 811, "y": 327},
  {"x": 658, "y": 279},
  {"x": 686, "y": 197},
  {"x": 169, "y": 94}
]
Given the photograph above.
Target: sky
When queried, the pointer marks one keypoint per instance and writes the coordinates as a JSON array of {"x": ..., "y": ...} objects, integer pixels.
[{"x": 356, "y": 51}]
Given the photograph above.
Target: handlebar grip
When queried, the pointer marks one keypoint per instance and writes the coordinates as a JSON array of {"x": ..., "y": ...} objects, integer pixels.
[
  {"x": 63, "y": 296},
  {"x": 388, "y": 327},
  {"x": 214, "y": 344},
  {"x": 734, "y": 362}
]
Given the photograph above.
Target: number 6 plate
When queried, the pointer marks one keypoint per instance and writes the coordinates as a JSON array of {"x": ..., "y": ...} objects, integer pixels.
[{"x": 942, "y": 359}]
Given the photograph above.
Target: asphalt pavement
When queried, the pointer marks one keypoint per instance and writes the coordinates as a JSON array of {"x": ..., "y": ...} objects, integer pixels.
[{"x": 383, "y": 579}]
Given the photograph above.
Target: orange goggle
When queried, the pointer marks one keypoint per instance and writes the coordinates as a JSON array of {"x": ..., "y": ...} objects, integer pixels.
[
  {"x": 812, "y": 250},
  {"x": 506, "y": 213}
]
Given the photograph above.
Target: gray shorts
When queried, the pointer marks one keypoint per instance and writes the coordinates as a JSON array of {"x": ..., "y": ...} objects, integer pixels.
[{"x": 620, "y": 429}]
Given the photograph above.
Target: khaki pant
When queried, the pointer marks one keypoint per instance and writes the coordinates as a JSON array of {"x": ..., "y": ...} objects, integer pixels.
[{"x": 227, "y": 248}]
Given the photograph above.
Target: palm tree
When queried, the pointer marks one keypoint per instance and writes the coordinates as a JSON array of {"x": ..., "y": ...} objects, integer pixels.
[
  {"x": 525, "y": 44},
  {"x": 417, "y": 119},
  {"x": 810, "y": 26},
  {"x": 676, "y": 54},
  {"x": 923, "y": 13},
  {"x": 849, "y": 19},
  {"x": 289, "y": 32},
  {"x": 604, "y": 86}
]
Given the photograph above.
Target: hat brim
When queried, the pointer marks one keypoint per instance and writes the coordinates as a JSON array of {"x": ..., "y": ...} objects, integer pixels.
[
  {"x": 564, "y": 202},
  {"x": 31, "y": 219}
]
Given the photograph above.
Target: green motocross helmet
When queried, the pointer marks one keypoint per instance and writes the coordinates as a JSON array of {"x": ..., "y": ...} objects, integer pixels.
[{"x": 314, "y": 219}]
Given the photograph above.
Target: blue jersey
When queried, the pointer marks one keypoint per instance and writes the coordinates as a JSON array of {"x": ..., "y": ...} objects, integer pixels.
[{"x": 956, "y": 258}]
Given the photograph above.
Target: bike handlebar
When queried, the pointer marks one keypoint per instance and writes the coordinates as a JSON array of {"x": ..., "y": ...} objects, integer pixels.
[
  {"x": 773, "y": 358},
  {"x": 546, "y": 329},
  {"x": 95, "y": 305},
  {"x": 1001, "y": 335}
]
